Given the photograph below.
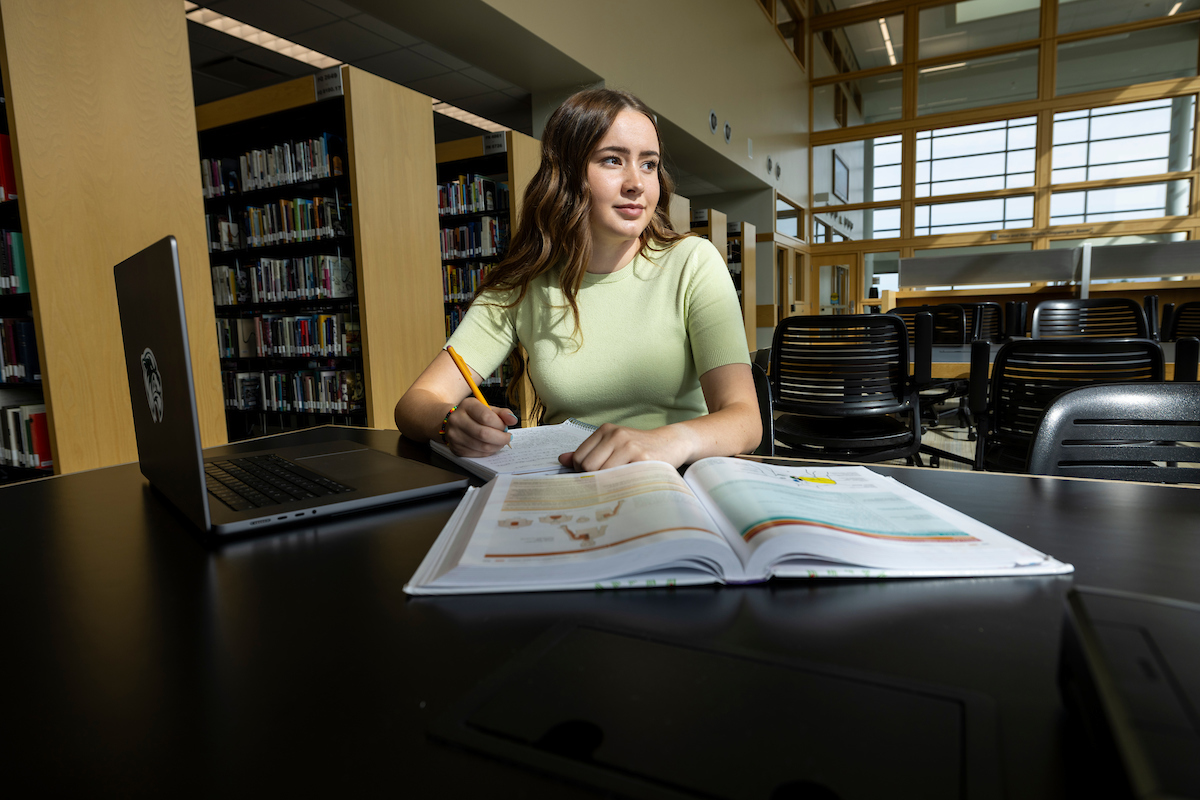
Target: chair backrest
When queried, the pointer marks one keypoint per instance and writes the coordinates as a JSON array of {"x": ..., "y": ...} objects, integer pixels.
[
  {"x": 842, "y": 365},
  {"x": 1028, "y": 374},
  {"x": 950, "y": 323},
  {"x": 984, "y": 321},
  {"x": 1104, "y": 318},
  {"x": 1184, "y": 320},
  {"x": 1123, "y": 431}
]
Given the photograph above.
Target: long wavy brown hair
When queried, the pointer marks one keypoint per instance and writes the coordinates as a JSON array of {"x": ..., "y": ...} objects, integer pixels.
[{"x": 553, "y": 227}]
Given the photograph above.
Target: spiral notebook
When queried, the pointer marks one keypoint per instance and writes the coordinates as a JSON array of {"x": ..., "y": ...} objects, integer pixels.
[{"x": 533, "y": 450}]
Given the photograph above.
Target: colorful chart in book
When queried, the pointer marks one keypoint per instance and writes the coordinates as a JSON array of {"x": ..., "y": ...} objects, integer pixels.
[
  {"x": 567, "y": 514},
  {"x": 826, "y": 498}
]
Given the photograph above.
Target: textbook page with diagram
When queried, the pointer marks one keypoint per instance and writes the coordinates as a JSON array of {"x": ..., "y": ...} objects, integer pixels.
[
  {"x": 533, "y": 450},
  {"x": 727, "y": 520}
]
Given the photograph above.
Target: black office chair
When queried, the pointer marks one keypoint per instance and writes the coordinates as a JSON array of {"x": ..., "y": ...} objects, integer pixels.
[
  {"x": 842, "y": 385},
  {"x": 1123, "y": 431},
  {"x": 1102, "y": 318},
  {"x": 1029, "y": 373},
  {"x": 1181, "y": 321},
  {"x": 950, "y": 327}
]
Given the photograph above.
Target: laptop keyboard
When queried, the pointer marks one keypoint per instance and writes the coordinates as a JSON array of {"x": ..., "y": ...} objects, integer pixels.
[{"x": 258, "y": 481}]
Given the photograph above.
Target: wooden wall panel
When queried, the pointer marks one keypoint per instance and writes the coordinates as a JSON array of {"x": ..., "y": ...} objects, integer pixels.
[
  {"x": 392, "y": 180},
  {"x": 104, "y": 138}
]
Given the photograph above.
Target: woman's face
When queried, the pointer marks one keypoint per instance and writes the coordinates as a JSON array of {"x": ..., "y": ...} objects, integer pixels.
[{"x": 623, "y": 177}]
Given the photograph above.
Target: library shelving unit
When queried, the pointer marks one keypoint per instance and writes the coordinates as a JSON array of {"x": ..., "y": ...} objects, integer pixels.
[
  {"x": 25, "y": 448},
  {"x": 738, "y": 242},
  {"x": 323, "y": 249},
  {"x": 104, "y": 167},
  {"x": 481, "y": 181}
]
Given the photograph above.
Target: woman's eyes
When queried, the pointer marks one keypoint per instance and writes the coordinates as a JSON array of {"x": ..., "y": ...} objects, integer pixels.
[{"x": 649, "y": 166}]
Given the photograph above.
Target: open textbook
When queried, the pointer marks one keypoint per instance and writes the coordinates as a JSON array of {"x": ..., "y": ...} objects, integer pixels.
[
  {"x": 727, "y": 520},
  {"x": 533, "y": 450}
]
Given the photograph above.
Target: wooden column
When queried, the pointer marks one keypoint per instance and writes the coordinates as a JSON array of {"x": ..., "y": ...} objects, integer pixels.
[{"x": 393, "y": 176}]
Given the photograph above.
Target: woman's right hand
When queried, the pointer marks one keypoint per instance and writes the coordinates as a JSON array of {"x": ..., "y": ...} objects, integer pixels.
[{"x": 475, "y": 430}]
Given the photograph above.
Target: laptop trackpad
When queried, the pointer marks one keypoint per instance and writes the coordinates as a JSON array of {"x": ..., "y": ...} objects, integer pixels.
[{"x": 347, "y": 466}]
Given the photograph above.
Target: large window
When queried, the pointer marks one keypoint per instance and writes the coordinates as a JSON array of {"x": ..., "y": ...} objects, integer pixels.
[
  {"x": 974, "y": 215},
  {"x": 1143, "y": 201},
  {"x": 975, "y": 82},
  {"x": 1123, "y": 141},
  {"x": 976, "y": 158},
  {"x": 1124, "y": 59},
  {"x": 988, "y": 129}
]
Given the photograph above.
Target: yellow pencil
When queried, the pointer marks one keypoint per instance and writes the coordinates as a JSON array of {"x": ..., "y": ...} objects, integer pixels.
[{"x": 466, "y": 373}]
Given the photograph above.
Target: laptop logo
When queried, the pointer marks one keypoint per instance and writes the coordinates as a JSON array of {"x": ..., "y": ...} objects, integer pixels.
[{"x": 152, "y": 380}]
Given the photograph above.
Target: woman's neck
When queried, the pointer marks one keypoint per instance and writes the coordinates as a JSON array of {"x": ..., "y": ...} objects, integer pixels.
[{"x": 609, "y": 257}]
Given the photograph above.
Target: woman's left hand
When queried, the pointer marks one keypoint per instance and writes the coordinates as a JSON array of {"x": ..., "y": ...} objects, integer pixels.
[
  {"x": 733, "y": 425},
  {"x": 614, "y": 445}
]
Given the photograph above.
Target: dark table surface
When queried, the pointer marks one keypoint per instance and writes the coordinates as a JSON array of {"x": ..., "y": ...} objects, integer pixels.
[{"x": 140, "y": 659}]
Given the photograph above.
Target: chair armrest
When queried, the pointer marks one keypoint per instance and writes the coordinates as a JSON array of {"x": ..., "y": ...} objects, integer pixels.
[
  {"x": 923, "y": 349},
  {"x": 977, "y": 395},
  {"x": 762, "y": 385},
  {"x": 1187, "y": 353}
]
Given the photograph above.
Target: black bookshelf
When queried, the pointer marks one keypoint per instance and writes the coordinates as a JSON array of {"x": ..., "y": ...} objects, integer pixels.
[
  {"x": 461, "y": 272},
  {"x": 263, "y": 274},
  {"x": 18, "y": 340}
]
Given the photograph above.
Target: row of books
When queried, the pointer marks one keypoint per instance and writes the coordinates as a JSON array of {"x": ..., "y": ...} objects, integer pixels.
[
  {"x": 283, "y": 164},
  {"x": 479, "y": 238},
  {"x": 18, "y": 351},
  {"x": 272, "y": 280},
  {"x": 288, "y": 336},
  {"x": 296, "y": 220},
  {"x": 460, "y": 282},
  {"x": 471, "y": 193},
  {"x": 318, "y": 391},
  {"x": 26, "y": 436},
  {"x": 14, "y": 275},
  {"x": 8, "y": 174}
]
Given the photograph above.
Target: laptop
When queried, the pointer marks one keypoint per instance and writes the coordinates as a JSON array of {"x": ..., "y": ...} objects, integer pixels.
[{"x": 255, "y": 491}]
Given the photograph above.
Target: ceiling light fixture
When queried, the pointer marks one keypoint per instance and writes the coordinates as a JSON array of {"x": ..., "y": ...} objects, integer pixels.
[
  {"x": 1171, "y": 13},
  {"x": 253, "y": 35},
  {"x": 887, "y": 41},
  {"x": 941, "y": 67}
]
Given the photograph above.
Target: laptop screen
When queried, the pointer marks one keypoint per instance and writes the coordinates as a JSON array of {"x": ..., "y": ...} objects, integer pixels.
[{"x": 154, "y": 330}]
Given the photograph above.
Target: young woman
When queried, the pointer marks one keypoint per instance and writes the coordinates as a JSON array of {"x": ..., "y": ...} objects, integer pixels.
[{"x": 627, "y": 324}]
